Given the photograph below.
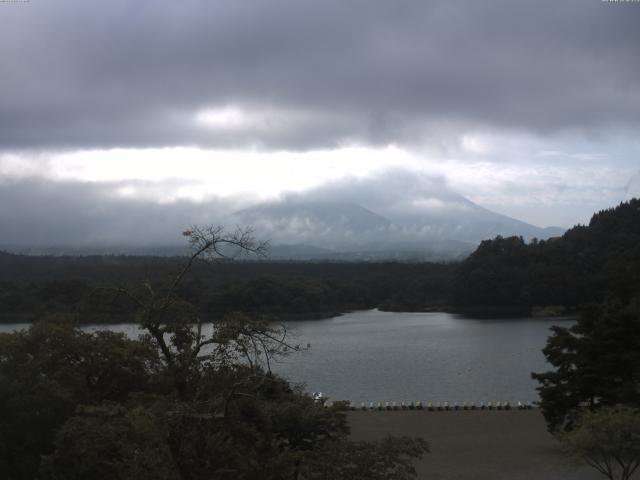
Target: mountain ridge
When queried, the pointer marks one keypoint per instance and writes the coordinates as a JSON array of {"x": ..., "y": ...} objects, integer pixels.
[{"x": 343, "y": 228}]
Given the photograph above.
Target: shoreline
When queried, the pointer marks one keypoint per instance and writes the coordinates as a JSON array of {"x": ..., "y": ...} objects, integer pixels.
[{"x": 125, "y": 318}]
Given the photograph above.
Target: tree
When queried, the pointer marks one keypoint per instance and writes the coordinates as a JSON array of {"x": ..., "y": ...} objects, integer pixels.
[
  {"x": 168, "y": 319},
  {"x": 189, "y": 401},
  {"x": 391, "y": 457},
  {"x": 117, "y": 444},
  {"x": 47, "y": 371},
  {"x": 608, "y": 440},
  {"x": 597, "y": 362}
]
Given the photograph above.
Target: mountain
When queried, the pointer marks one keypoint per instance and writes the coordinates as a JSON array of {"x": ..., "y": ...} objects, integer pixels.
[
  {"x": 326, "y": 224},
  {"x": 322, "y": 227},
  {"x": 464, "y": 221},
  {"x": 392, "y": 215}
]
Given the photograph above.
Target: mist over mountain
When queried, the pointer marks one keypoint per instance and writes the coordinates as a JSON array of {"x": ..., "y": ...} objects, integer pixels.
[
  {"x": 395, "y": 215},
  {"x": 392, "y": 215}
]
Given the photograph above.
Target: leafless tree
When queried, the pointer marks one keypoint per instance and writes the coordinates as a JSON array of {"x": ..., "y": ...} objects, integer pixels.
[{"x": 175, "y": 325}]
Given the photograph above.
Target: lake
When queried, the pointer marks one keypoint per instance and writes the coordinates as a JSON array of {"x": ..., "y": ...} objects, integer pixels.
[{"x": 387, "y": 356}]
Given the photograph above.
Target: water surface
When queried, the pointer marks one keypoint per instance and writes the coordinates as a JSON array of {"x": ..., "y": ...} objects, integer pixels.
[{"x": 379, "y": 356}]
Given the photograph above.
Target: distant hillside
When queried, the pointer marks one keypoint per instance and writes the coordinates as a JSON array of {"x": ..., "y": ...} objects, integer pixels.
[
  {"x": 507, "y": 274},
  {"x": 345, "y": 216},
  {"x": 96, "y": 250},
  {"x": 392, "y": 216},
  {"x": 586, "y": 264},
  {"x": 33, "y": 286},
  {"x": 440, "y": 226}
]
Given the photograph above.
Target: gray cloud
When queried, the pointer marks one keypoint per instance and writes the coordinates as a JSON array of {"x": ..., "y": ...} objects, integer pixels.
[
  {"x": 395, "y": 209},
  {"x": 396, "y": 192},
  {"x": 85, "y": 74},
  {"x": 39, "y": 212},
  {"x": 632, "y": 188},
  {"x": 44, "y": 213},
  {"x": 392, "y": 208}
]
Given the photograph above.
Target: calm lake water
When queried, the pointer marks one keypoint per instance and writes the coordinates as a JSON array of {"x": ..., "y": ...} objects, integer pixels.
[{"x": 383, "y": 356}]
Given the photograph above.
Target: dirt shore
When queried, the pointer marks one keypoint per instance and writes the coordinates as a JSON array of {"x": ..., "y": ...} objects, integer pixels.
[{"x": 475, "y": 445}]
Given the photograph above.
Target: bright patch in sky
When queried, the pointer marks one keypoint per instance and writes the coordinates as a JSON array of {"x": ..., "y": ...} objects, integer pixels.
[
  {"x": 196, "y": 174},
  {"x": 225, "y": 118},
  {"x": 531, "y": 189},
  {"x": 476, "y": 144}
]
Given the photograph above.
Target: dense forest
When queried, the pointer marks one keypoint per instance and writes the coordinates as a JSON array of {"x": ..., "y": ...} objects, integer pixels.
[
  {"x": 588, "y": 264},
  {"x": 503, "y": 276},
  {"x": 31, "y": 286}
]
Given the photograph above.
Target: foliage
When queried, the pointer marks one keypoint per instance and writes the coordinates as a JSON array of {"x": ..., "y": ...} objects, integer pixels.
[
  {"x": 186, "y": 401},
  {"x": 47, "y": 371},
  {"x": 587, "y": 264},
  {"x": 262, "y": 433},
  {"x": 608, "y": 440},
  {"x": 391, "y": 457},
  {"x": 110, "y": 442},
  {"x": 596, "y": 361},
  {"x": 33, "y": 286}
]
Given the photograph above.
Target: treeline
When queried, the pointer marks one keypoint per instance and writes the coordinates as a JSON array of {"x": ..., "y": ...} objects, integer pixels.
[
  {"x": 32, "y": 286},
  {"x": 504, "y": 276},
  {"x": 588, "y": 264}
]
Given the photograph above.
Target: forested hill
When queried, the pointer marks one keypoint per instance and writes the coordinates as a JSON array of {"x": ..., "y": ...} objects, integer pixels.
[
  {"x": 587, "y": 264},
  {"x": 32, "y": 286}
]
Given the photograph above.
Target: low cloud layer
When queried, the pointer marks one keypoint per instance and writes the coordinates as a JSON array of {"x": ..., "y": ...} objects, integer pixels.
[
  {"x": 393, "y": 193},
  {"x": 394, "y": 207},
  {"x": 42, "y": 213}
]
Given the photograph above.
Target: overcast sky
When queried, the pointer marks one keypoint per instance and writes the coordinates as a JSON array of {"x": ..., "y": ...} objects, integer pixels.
[{"x": 529, "y": 108}]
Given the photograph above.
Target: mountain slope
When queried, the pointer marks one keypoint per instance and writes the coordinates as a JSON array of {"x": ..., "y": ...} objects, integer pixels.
[
  {"x": 327, "y": 224},
  {"x": 433, "y": 226}
]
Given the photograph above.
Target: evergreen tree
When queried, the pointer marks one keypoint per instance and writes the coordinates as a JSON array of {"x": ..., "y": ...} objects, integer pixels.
[{"x": 596, "y": 361}]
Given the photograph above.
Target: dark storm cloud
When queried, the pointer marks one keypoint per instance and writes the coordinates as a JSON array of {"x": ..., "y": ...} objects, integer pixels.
[{"x": 320, "y": 73}]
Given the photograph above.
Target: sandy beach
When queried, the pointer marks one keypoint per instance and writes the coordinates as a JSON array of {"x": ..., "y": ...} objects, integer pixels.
[{"x": 476, "y": 445}]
